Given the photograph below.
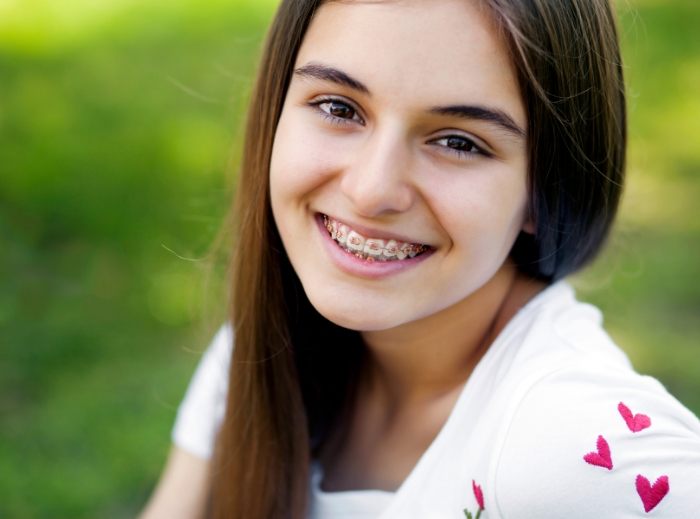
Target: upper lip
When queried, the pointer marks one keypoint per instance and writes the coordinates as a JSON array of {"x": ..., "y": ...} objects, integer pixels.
[{"x": 368, "y": 232}]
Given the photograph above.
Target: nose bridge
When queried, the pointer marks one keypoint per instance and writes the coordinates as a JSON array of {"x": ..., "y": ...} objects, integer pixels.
[{"x": 379, "y": 179}]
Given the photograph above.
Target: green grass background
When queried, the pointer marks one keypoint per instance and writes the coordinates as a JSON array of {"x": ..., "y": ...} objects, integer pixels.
[{"x": 119, "y": 129}]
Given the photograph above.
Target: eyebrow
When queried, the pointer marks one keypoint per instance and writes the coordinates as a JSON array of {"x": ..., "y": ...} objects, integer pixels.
[
  {"x": 469, "y": 112},
  {"x": 481, "y": 113},
  {"x": 334, "y": 75}
]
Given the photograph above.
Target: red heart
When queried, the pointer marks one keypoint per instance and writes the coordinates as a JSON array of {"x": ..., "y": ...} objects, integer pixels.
[
  {"x": 652, "y": 494},
  {"x": 637, "y": 422},
  {"x": 601, "y": 458}
]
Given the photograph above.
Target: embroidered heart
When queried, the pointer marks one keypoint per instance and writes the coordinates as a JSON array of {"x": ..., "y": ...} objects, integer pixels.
[
  {"x": 637, "y": 422},
  {"x": 601, "y": 458},
  {"x": 652, "y": 494}
]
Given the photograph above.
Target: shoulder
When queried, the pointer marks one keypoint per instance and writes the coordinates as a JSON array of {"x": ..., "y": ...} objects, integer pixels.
[
  {"x": 580, "y": 433},
  {"x": 221, "y": 345},
  {"x": 212, "y": 371},
  {"x": 202, "y": 409},
  {"x": 596, "y": 440}
]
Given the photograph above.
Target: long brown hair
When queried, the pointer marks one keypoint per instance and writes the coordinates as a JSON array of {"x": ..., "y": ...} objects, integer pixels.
[{"x": 289, "y": 392}]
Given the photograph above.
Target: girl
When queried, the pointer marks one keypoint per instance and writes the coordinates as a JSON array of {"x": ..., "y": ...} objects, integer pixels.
[{"x": 418, "y": 178}]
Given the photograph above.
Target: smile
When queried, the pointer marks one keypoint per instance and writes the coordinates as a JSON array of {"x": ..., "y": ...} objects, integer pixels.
[{"x": 371, "y": 249}]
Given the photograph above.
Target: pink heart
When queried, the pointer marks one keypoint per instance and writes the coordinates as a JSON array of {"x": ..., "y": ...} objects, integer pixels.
[
  {"x": 637, "y": 422},
  {"x": 601, "y": 458},
  {"x": 652, "y": 494}
]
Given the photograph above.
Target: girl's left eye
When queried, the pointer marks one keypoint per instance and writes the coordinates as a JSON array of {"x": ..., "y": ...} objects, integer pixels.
[
  {"x": 336, "y": 111},
  {"x": 462, "y": 147}
]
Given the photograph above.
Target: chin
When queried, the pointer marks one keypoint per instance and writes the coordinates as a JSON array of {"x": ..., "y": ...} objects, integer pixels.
[{"x": 361, "y": 316}]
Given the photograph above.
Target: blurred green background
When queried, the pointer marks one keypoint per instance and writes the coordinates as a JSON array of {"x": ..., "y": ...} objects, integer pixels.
[{"x": 119, "y": 134}]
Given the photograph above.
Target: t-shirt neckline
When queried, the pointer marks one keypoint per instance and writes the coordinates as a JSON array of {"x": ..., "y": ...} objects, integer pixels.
[{"x": 388, "y": 498}]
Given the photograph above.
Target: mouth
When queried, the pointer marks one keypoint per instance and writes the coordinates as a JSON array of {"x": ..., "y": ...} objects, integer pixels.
[{"x": 371, "y": 248}]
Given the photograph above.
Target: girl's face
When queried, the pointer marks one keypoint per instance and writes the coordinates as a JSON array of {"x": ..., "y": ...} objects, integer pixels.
[{"x": 403, "y": 133}]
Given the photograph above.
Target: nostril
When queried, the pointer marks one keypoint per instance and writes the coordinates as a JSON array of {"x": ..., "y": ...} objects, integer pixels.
[{"x": 372, "y": 197}]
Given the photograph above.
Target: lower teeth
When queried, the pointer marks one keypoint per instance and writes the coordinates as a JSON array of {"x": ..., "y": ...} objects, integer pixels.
[{"x": 366, "y": 257}]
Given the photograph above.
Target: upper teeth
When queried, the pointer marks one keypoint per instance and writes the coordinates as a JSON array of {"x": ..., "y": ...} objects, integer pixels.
[{"x": 370, "y": 248}]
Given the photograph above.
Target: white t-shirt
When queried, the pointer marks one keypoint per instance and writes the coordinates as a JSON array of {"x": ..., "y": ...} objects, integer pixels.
[{"x": 553, "y": 423}]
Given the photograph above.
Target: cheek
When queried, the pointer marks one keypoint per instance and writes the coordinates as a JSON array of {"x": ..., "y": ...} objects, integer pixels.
[
  {"x": 481, "y": 203},
  {"x": 302, "y": 158}
]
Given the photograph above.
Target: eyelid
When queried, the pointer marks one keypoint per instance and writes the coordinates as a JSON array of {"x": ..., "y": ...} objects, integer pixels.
[
  {"x": 483, "y": 149},
  {"x": 314, "y": 103}
]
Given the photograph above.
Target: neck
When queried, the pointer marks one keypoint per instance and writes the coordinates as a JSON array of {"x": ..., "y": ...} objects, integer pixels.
[{"x": 423, "y": 361}]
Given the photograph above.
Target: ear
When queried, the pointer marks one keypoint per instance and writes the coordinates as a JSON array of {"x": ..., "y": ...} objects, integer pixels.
[{"x": 529, "y": 226}]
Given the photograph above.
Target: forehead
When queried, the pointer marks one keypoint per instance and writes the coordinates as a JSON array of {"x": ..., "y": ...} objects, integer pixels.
[{"x": 425, "y": 51}]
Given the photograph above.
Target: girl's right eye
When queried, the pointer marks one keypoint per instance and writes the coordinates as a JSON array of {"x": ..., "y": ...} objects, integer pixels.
[{"x": 336, "y": 111}]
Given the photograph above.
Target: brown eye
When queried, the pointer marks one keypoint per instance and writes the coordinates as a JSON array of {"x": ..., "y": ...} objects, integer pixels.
[
  {"x": 461, "y": 144},
  {"x": 337, "y": 111},
  {"x": 341, "y": 110},
  {"x": 462, "y": 147}
]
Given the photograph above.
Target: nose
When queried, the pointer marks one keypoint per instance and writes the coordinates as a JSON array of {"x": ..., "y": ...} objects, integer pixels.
[{"x": 378, "y": 181}]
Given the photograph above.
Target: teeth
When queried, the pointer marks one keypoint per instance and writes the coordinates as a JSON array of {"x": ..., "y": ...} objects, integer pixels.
[
  {"x": 341, "y": 233},
  {"x": 355, "y": 241},
  {"x": 373, "y": 247},
  {"x": 333, "y": 229},
  {"x": 390, "y": 249},
  {"x": 370, "y": 249}
]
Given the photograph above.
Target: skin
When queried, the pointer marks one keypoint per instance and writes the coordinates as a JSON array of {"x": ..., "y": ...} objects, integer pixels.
[
  {"x": 382, "y": 160},
  {"x": 182, "y": 489}
]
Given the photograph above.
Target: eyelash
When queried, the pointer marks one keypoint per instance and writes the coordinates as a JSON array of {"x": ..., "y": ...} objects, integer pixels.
[
  {"x": 339, "y": 121},
  {"x": 469, "y": 143}
]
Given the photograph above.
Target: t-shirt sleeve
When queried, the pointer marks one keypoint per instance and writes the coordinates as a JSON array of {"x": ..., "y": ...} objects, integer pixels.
[
  {"x": 202, "y": 410},
  {"x": 598, "y": 442}
]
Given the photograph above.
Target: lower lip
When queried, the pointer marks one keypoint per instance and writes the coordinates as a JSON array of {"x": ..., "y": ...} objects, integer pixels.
[{"x": 355, "y": 266}]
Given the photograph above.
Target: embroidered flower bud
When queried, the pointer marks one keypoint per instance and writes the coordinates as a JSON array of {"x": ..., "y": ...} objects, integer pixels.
[{"x": 478, "y": 494}]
